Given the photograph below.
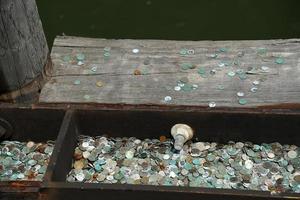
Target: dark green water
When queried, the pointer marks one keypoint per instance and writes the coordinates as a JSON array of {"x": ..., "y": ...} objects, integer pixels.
[{"x": 172, "y": 19}]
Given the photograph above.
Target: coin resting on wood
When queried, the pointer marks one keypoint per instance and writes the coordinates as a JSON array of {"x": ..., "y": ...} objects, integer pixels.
[{"x": 192, "y": 73}]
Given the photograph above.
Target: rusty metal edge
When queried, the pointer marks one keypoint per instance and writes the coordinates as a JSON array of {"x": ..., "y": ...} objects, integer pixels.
[
  {"x": 174, "y": 189},
  {"x": 20, "y": 186},
  {"x": 26, "y": 186}
]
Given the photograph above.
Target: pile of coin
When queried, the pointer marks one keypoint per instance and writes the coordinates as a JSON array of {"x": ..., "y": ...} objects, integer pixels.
[
  {"x": 266, "y": 167},
  {"x": 24, "y": 160}
]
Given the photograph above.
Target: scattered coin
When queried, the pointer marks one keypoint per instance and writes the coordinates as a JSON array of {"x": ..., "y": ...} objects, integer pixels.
[
  {"x": 80, "y": 57},
  {"x": 99, "y": 84},
  {"x": 256, "y": 82},
  {"x": 191, "y": 52},
  {"x": 80, "y": 63},
  {"x": 213, "y": 55},
  {"x": 137, "y": 72},
  {"x": 279, "y": 61},
  {"x": 240, "y": 94},
  {"x": 254, "y": 89},
  {"x": 262, "y": 50},
  {"x": 94, "y": 69},
  {"x": 86, "y": 97},
  {"x": 177, "y": 88},
  {"x": 167, "y": 98},
  {"x": 243, "y": 101},
  {"x": 135, "y": 51},
  {"x": 231, "y": 73},
  {"x": 265, "y": 68},
  {"x": 212, "y": 104},
  {"x": 162, "y": 138},
  {"x": 77, "y": 82},
  {"x": 223, "y": 49}
]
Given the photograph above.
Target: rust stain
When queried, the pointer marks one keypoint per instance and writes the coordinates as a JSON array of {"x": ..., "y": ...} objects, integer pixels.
[
  {"x": 17, "y": 184},
  {"x": 162, "y": 138}
]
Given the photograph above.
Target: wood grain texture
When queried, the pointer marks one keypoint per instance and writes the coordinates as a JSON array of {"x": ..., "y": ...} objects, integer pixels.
[
  {"x": 162, "y": 61},
  {"x": 23, "y": 46}
]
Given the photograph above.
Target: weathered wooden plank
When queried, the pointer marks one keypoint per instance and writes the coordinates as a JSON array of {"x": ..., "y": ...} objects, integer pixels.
[
  {"x": 165, "y": 54},
  {"x": 162, "y": 63},
  {"x": 23, "y": 46}
]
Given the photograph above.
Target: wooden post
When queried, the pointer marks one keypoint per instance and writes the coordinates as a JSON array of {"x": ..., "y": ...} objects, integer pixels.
[{"x": 23, "y": 50}]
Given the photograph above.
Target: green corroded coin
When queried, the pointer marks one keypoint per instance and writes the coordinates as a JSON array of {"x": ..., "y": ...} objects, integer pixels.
[
  {"x": 145, "y": 71},
  {"x": 186, "y": 66},
  {"x": 231, "y": 73},
  {"x": 211, "y": 157},
  {"x": 118, "y": 176},
  {"x": 77, "y": 82},
  {"x": 172, "y": 162},
  {"x": 220, "y": 87},
  {"x": 261, "y": 50},
  {"x": 183, "y": 52},
  {"x": 188, "y": 166},
  {"x": 196, "y": 161},
  {"x": 242, "y": 76},
  {"x": 240, "y": 71},
  {"x": 106, "y": 54},
  {"x": 279, "y": 61},
  {"x": 187, "y": 87},
  {"x": 201, "y": 71},
  {"x": 97, "y": 166},
  {"x": 80, "y": 57},
  {"x": 67, "y": 58},
  {"x": 223, "y": 49},
  {"x": 243, "y": 101}
]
